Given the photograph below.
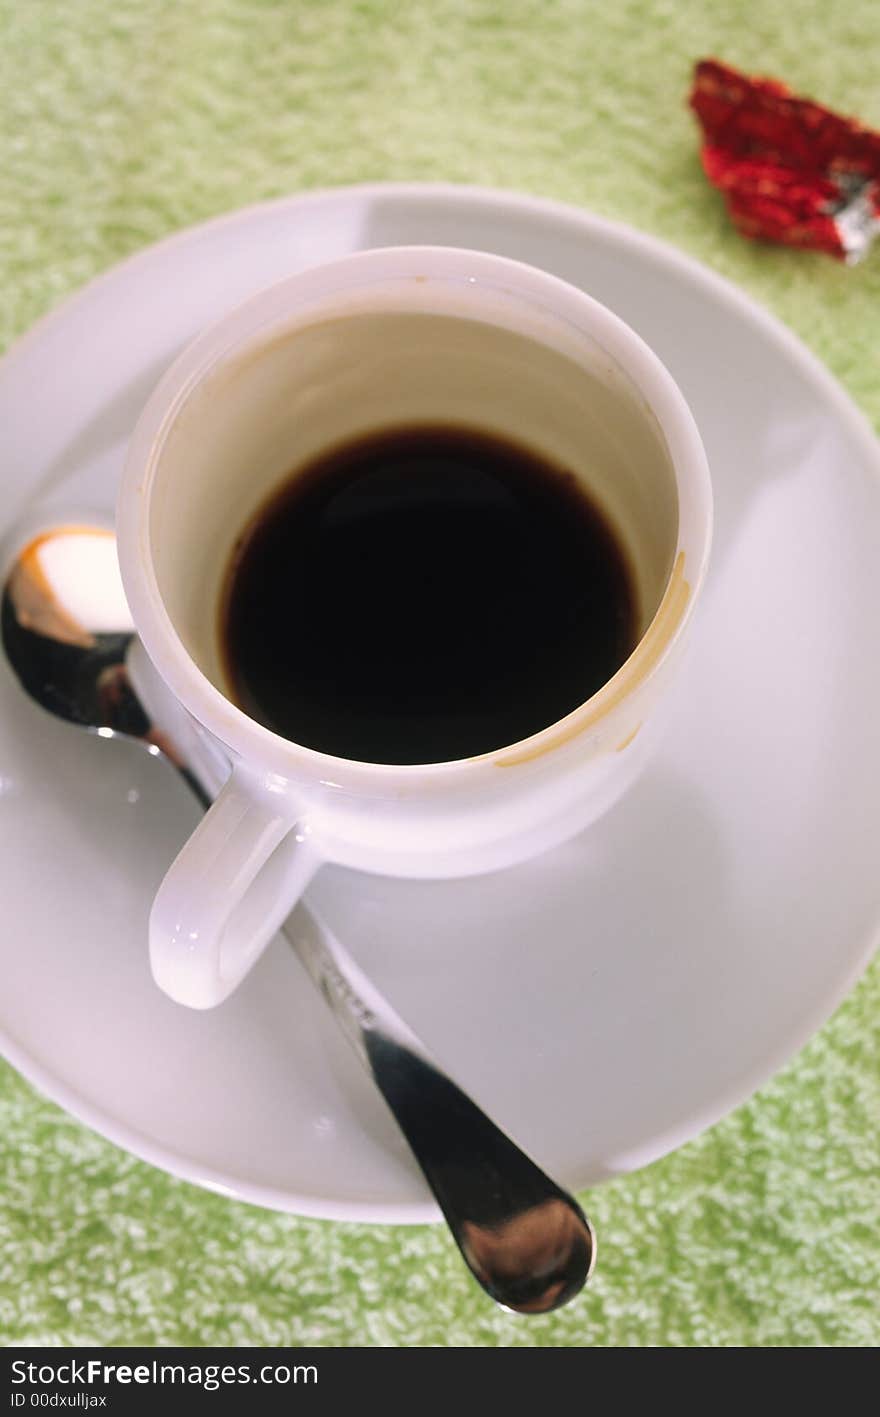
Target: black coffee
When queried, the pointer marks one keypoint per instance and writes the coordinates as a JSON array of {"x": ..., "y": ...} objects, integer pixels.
[{"x": 421, "y": 595}]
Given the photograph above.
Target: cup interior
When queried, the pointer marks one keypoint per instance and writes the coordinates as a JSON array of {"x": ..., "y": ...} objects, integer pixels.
[{"x": 274, "y": 389}]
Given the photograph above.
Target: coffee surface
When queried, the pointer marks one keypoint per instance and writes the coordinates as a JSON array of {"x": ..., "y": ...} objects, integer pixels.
[{"x": 422, "y": 595}]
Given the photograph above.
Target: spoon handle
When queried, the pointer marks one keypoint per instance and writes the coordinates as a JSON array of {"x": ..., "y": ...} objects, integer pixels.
[{"x": 525, "y": 1240}]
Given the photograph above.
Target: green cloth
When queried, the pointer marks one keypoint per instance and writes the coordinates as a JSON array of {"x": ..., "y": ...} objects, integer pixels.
[{"x": 122, "y": 122}]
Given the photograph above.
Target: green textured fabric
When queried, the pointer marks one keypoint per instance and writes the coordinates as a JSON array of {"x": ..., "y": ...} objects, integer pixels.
[{"x": 122, "y": 122}]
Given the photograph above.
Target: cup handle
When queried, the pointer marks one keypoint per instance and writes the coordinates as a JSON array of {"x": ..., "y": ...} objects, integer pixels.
[{"x": 228, "y": 892}]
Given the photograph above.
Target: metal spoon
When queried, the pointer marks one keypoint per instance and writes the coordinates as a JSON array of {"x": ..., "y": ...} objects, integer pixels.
[{"x": 69, "y": 640}]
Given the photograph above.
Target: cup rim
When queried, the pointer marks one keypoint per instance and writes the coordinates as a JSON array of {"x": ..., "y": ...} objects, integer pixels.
[{"x": 269, "y": 310}]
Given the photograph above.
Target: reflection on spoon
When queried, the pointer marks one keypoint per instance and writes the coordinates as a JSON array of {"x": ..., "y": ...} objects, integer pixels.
[
  {"x": 68, "y": 636},
  {"x": 526, "y": 1257}
]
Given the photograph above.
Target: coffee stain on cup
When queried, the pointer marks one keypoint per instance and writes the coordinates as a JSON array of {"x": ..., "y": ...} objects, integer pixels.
[
  {"x": 641, "y": 663},
  {"x": 628, "y": 739}
]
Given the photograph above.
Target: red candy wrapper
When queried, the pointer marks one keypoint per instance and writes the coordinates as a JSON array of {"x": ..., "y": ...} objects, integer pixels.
[{"x": 790, "y": 170}]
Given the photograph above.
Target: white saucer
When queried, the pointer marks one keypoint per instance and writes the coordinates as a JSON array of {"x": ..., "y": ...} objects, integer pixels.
[{"x": 607, "y": 1001}]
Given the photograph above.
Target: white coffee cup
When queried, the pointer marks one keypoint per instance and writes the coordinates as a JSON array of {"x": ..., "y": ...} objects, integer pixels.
[{"x": 384, "y": 338}]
